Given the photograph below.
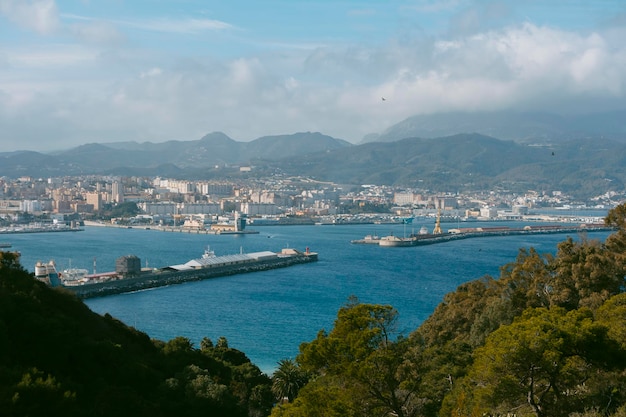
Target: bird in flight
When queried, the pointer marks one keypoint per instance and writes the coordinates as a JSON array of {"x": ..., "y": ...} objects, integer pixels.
[{"x": 383, "y": 99}]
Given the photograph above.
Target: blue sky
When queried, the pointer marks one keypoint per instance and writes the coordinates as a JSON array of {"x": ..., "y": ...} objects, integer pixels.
[{"x": 82, "y": 71}]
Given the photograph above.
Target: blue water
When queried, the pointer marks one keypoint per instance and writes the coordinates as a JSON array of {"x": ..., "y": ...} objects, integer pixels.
[{"x": 268, "y": 314}]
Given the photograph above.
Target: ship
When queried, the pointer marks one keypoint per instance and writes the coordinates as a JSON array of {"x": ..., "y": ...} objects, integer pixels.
[
  {"x": 47, "y": 273},
  {"x": 395, "y": 241},
  {"x": 129, "y": 276}
]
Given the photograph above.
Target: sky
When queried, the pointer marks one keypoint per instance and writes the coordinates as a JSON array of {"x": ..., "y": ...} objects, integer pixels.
[{"x": 82, "y": 71}]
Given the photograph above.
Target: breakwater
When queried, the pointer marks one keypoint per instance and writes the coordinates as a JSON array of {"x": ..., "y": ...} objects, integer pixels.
[
  {"x": 468, "y": 233},
  {"x": 43, "y": 229},
  {"x": 164, "y": 277}
]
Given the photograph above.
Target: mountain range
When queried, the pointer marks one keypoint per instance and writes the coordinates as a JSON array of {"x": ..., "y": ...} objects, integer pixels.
[
  {"x": 534, "y": 151},
  {"x": 525, "y": 127}
]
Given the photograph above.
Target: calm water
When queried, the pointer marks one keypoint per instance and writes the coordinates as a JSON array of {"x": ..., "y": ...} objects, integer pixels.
[{"x": 268, "y": 314}]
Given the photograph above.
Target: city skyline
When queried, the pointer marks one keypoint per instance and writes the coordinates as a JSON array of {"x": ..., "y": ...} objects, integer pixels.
[{"x": 76, "y": 71}]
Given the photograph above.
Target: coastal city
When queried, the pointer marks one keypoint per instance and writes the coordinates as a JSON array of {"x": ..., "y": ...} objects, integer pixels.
[{"x": 223, "y": 206}]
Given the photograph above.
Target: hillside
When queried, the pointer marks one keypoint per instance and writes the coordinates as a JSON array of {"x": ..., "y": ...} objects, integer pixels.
[
  {"x": 57, "y": 357},
  {"x": 465, "y": 162},
  {"x": 132, "y": 158},
  {"x": 473, "y": 162}
]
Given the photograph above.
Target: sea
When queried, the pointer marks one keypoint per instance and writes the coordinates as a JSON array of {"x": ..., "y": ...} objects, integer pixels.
[{"x": 268, "y": 314}]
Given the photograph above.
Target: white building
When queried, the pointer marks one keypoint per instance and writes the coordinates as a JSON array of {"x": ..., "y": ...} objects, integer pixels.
[
  {"x": 403, "y": 198},
  {"x": 158, "y": 208},
  {"x": 199, "y": 208},
  {"x": 31, "y": 206},
  {"x": 259, "y": 209},
  {"x": 489, "y": 212}
]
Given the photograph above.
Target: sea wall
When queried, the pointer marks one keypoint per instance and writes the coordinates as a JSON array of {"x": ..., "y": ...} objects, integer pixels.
[{"x": 163, "y": 278}]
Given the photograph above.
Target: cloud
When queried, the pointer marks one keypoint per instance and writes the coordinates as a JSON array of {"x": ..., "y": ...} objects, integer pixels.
[
  {"x": 39, "y": 15},
  {"x": 97, "y": 32},
  {"x": 180, "y": 26},
  {"x": 520, "y": 67},
  {"x": 108, "y": 90}
]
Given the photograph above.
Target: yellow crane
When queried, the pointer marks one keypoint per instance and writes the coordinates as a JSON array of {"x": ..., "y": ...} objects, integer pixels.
[{"x": 437, "y": 229}]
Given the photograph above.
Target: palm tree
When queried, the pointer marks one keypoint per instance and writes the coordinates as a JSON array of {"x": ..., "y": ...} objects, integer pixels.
[{"x": 288, "y": 379}]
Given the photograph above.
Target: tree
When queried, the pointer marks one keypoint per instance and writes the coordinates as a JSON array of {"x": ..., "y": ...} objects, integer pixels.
[
  {"x": 541, "y": 364},
  {"x": 613, "y": 314},
  {"x": 288, "y": 379},
  {"x": 178, "y": 344},
  {"x": 10, "y": 260},
  {"x": 527, "y": 281},
  {"x": 361, "y": 357},
  {"x": 206, "y": 344},
  {"x": 585, "y": 274},
  {"x": 359, "y": 330},
  {"x": 454, "y": 316},
  {"x": 222, "y": 343}
]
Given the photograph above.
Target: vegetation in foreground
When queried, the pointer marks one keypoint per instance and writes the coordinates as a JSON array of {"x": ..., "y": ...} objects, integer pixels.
[
  {"x": 57, "y": 357},
  {"x": 547, "y": 338}
]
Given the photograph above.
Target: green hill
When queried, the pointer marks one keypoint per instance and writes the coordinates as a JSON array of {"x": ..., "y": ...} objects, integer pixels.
[{"x": 57, "y": 357}]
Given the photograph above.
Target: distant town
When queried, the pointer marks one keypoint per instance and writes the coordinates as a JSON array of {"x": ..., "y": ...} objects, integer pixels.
[{"x": 224, "y": 206}]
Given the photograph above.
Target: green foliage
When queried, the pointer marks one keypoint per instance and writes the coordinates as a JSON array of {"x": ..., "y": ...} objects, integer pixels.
[
  {"x": 359, "y": 330},
  {"x": 40, "y": 394},
  {"x": 128, "y": 209},
  {"x": 322, "y": 397},
  {"x": 542, "y": 364},
  {"x": 288, "y": 379},
  {"x": 362, "y": 358},
  {"x": 57, "y": 357},
  {"x": 9, "y": 260}
]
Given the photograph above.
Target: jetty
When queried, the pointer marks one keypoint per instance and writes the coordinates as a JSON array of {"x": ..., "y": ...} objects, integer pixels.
[
  {"x": 477, "y": 232},
  {"x": 39, "y": 229},
  {"x": 130, "y": 277}
]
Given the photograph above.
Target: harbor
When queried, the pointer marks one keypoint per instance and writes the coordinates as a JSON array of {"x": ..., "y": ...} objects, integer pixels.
[{"x": 291, "y": 304}]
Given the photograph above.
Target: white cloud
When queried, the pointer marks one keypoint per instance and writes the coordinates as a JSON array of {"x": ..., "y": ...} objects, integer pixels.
[
  {"x": 435, "y": 6},
  {"x": 38, "y": 15},
  {"x": 117, "y": 91},
  {"x": 97, "y": 32},
  {"x": 152, "y": 72},
  {"x": 181, "y": 26},
  {"x": 50, "y": 57}
]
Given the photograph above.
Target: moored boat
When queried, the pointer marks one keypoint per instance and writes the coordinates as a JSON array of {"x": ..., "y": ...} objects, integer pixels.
[{"x": 395, "y": 241}]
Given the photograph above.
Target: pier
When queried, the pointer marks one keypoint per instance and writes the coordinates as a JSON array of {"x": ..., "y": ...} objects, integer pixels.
[
  {"x": 109, "y": 283},
  {"x": 468, "y": 233}
]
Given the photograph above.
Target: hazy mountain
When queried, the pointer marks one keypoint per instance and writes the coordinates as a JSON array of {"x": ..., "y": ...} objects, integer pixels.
[
  {"x": 284, "y": 146},
  {"x": 461, "y": 162},
  {"x": 127, "y": 157},
  {"x": 522, "y": 127},
  {"x": 474, "y": 162}
]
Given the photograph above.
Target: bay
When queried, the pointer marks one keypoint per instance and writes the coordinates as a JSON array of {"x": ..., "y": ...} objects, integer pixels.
[{"x": 268, "y": 314}]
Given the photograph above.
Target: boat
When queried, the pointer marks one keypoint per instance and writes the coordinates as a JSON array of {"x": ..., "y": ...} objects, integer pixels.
[
  {"x": 47, "y": 273},
  {"x": 395, "y": 241},
  {"x": 5, "y": 245},
  {"x": 71, "y": 276}
]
